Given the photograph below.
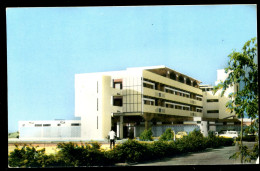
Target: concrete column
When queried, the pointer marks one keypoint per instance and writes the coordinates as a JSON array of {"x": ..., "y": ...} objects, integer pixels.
[
  {"x": 135, "y": 131},
  {"x": 118, "y": 129},
  {"x": 147, "y": 118},
  {"x": 121, "y": 127},
  {"x": 146, "y": 124}
]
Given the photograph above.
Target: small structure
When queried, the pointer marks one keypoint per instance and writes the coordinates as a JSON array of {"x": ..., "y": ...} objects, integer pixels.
[{"x": 50, "y": 130}]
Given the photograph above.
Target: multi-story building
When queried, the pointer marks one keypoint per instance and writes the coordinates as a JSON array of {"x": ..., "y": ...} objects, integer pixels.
[
  {"x": 216, "y": 116},
  {"x": 126, "y": 100},
  {"x": 135, "y": 99}
]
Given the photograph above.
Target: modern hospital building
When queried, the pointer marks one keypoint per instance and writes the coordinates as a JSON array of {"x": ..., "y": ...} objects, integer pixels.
[{"x": 135, "y": 99}]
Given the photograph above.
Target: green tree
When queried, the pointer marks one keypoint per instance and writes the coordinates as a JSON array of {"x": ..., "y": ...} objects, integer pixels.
[
  {"x": 243, "y": 69},
  {"x": 146, "y": 135},
  {"x": 167, "y": 135}
]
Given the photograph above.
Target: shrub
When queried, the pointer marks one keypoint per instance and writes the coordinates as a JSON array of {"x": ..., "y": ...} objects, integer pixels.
[
  {"x": 160, "y": 149},
  {"x": 167, "y": 135},
  {"x": 82, "y": 155},
  {"x": 130, "y": 151},
  {"x": 27, "y": 156},
  {"x": 146, "y": 135},
  {"x": 194, "y": 141},
  {"x": 250, "y": 138}
]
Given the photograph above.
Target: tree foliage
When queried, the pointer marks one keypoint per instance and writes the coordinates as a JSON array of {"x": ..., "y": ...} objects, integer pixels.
[
  {"x": 243, "y": 70},
  {"x": 167, "y": 135}
]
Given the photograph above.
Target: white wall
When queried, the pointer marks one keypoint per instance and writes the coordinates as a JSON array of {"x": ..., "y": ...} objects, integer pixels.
[{"x": 28, "y": 130}]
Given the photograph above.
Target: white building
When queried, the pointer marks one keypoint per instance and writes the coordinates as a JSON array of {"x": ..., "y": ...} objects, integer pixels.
[
  {"x": 50, "y": 130},
  {"x": 135, "y": 99},
  {"x": 215, "y": 113}
]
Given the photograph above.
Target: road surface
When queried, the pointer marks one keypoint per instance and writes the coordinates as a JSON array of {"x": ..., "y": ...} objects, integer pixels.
[{"x": 219, "y": 156}]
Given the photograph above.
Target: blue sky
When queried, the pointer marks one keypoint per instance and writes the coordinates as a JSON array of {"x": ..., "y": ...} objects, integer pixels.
[{"x": 46, "y": 47}]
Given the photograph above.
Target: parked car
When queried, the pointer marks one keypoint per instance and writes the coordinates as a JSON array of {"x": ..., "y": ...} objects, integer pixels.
[
  {"x": 181, "y": 134},
  {"x": 229, "y": 134}
]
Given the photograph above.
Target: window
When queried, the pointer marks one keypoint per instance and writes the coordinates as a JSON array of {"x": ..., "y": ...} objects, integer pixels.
[
  {"x": 148, "y": 85},
  {"x": 199, "y": 98},
  {"x": 75, "y": 124},
  {"x": 169, "y": 105},
  {"x": 186, "y": 108},
  {"x": 149, "y": 101},
  {"x": 38, "y": 125},
  {"x": 117, "y": 83},
  {"x": 117, "y": 101},
  {"x": 199, "y": 110},
  {"x": 212, "y": 111},
  {"x": 212, "y": 100},
  {"x": 58, "y": 124},
  {"x": 46, "y": 124},
  {"x": 177, "y": 107}
]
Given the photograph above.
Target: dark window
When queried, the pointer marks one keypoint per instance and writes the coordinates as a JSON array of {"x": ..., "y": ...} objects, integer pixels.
[
  {"x": 38, "y": 125},
  {"x": 75, "y": 124},
  {"x": 58, "y": 124},
  {"x": 212, "y": 111},
  {"x": 46, "y": 124},
  {"x": 181, "y": 79},
  {"x": 148, "y": 85},
  {"x": 212, "y": 100},
  {"x": 117, "y": 101}
]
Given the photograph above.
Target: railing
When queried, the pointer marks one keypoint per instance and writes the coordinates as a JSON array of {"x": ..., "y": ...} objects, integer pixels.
[{"x": 170, "y": 111}]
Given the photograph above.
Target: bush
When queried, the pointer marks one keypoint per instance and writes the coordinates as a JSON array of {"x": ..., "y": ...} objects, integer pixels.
[
  {"x": 194, "y": 141},
  {"x": 167, "y": 135},
  {"x": 82, "y": 155},
  {"x": 27, "y": 156},
  {"x": 71, "y": 154},
  {"x": 160, "y": 149},
  {"x": 130, "y": 151},
  {"x": 250, "y": 138},
  {"x": 146, "y": 135}
]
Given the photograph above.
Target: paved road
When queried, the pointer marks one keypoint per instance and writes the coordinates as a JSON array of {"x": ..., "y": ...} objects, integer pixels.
[{"x": 219, "y": 156}]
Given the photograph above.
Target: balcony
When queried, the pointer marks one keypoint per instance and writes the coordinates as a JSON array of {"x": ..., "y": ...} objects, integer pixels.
[
  {"x": 170, "y": 82},
  {"x": 170, "y": 111},
  {"x": 171, "y": 97}
]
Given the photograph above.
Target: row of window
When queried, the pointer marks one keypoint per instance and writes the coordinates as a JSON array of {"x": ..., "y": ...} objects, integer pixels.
[
  {"x": 206, "y": 89},
  {"x": 149, "y": 101},
  {"x": 46, "y": 125},
  {"x": 170, "y": 90}
]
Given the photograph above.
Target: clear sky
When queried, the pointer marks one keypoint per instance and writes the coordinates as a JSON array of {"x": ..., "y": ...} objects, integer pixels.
[{"x": 46, "y": 47}]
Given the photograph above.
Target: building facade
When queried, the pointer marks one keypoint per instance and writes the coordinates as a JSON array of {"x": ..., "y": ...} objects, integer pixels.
[
  {"x": 216, "y": 116},
  {"x": 135, "y": 99},
  {"x": 131, "y": 100}
]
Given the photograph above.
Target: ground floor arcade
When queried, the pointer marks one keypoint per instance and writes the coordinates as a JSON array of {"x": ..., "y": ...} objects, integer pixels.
[{"x": 129, "y": 126}]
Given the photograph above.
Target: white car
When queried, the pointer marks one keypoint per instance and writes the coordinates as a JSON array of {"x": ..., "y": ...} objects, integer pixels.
[{"x": 229, "y": 134}]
